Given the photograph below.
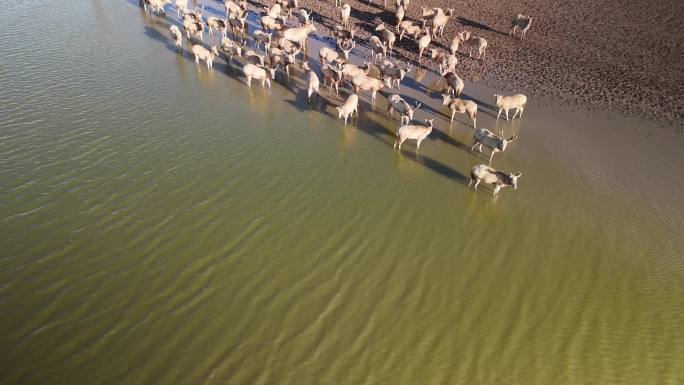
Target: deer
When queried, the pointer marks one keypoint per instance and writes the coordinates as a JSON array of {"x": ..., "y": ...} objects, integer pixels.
[
  {"x": 411, "y": 131},
  {"x": 495, "y": 143},
  {"x": 397, "y": 103},
  {"x": 489, "y": 175}
]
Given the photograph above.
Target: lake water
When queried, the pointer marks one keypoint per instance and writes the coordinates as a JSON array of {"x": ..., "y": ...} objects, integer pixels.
[{"x": 161, "y": 223}]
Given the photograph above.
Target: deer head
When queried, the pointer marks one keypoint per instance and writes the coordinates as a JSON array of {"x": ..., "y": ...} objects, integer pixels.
[{"x": 514, "y": 179}]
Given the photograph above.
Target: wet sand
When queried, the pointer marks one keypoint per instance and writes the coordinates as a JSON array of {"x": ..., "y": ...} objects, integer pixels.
[{"x": 592, "y": 54}]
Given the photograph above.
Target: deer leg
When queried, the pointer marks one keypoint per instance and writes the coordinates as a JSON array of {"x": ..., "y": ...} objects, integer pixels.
[
  {"x": 477, "y": 182},
  {"x": 507, "y": 114},
  {"x": 496, "y": 189},
  {"x": 497, "y": 116}
]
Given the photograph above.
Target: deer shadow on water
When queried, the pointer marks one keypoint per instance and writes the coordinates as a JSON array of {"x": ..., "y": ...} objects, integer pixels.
[
  {"x": 448, "y": 139},
  {"x": 155, "y": 34},
  {"x": 436, "y": 166},
  {"x": 369, "y": 122},
  {"x": 318, "y": 104},
  {"x": 380, "y": 132},
  {"x": 480, "y": 104}
]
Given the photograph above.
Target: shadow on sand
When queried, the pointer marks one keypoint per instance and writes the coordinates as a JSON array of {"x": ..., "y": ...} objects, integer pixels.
[{"x": 474, "y": 24}]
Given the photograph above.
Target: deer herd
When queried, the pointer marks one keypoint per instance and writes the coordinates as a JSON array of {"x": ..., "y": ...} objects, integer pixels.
[{"x": 285, "y": 29}]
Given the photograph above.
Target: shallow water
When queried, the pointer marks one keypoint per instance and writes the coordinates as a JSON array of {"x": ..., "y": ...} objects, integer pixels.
[{"x": 164, "y": 224}]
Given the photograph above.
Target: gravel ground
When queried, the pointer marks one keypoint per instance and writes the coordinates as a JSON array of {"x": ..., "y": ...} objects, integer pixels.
[{"x": 618, "y": 54}]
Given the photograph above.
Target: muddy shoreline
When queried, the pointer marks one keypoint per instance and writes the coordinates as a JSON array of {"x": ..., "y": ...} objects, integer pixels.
[
  {"x": 621, "y": 66},
  {"x": 603, "y": 141}
]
